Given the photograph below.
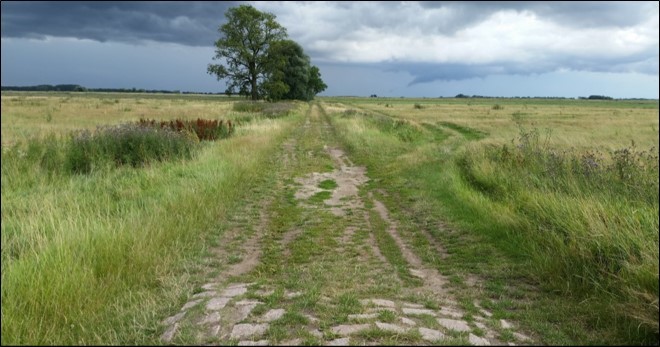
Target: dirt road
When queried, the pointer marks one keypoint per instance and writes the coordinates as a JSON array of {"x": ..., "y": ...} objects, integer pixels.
[{"x": 317, "y": 259}]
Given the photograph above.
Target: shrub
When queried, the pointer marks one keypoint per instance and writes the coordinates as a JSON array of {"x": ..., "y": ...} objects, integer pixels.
[
  {"x": 278, "y": 109},
  {"x": 418, "y": 106},
  {"x": 270, "y": 110},
  {"x": 248, "y": 106},
  {"x": 126, "y": 144},
  {"x": 349, "y": 113},
  {"x": 498, "y": 107},
  {"x": 204, "y": 129}
]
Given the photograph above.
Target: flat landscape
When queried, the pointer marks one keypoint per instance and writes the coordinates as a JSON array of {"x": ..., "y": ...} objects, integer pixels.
[{"x": 340, "y": 221}]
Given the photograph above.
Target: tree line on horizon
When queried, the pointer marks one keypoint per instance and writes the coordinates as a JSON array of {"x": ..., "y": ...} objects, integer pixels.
[{"x": 79, "y": 88}]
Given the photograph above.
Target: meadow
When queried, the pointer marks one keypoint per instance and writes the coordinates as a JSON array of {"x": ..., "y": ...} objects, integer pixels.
[
  {"x": 570, "y": 188},
  {"x": 552, "y": 203}
]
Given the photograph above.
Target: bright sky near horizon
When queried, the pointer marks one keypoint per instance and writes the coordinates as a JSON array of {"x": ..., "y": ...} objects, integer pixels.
[{"x": 425, "y": 49}]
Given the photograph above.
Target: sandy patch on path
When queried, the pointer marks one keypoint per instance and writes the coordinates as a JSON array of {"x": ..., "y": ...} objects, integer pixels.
[{"x": 348, "y": 178}]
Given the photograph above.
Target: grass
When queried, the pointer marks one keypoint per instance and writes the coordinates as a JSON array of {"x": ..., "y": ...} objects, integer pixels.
[
  {"x": 522, "y": 216},
  {"x": 320, "y": 196},
  {"x": 328, "y": 184},
  {"x": 104, "y": 257},
  {"x": 98, "y": 258},
  {"x": 391, "y": 250}
]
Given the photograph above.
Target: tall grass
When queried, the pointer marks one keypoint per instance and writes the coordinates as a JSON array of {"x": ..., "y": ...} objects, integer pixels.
[
  {"x": 201, "y": 129},
  {"x": 267, "y": 109},
  {"x": 126, "y": 144},
  {"x": 99, "y": 258},
  {"x": 584, "y": 222},
  {"x": 590, "y": 219}
]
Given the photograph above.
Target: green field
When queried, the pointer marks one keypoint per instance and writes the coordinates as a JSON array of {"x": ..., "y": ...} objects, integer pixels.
[{"x": 542, "y": 212}]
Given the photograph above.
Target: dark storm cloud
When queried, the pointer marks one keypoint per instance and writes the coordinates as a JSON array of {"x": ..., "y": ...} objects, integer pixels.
[
  {"x": 187, "y": 23},
  {"x": 414, "y": 43},
  {"x": 643, "y": 62}
]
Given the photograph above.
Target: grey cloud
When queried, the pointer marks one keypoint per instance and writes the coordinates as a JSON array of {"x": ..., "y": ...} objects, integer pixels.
[
  {"x": 578, "y": 14},
  {"x": 187, "y": 23},
  {"x": 195, "y": 23},
  {"x": 429, "y": 72}
]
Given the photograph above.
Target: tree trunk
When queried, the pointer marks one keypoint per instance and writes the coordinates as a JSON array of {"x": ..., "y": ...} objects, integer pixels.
[
  {"x": 253, "y": 81},
  {"x": 255, "y": 96}
]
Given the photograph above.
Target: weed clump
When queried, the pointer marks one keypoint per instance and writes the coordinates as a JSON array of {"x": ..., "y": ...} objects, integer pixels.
[
  {"x": 125, "y": 144},
  {"x": 349, "y": 113},
  {"x": 269, "y": 110},
  {"x": 203, "y": 129},
  {"x": 248, "y": 106}
]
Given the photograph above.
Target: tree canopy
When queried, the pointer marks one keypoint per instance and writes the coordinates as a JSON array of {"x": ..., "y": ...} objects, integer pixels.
[
  {"x": 291, "y": 68},
  {"x": 260, "y": 62}
]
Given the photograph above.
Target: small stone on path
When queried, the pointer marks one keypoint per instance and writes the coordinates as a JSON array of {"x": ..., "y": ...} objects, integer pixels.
[
  {"x": 450, "y": 312},
  {"x": 212, "y": 318},
  {"x": 241, "y": 331},
  {"x": 431, "y": 335},
  {"x": 173, "y": 319},
  {"x": 191, "y": 304},
  {"x": 521, "y": 337},
  {"x": 206, "y": 294},
  {"x": 291, "y": 295},
  {"x": 417, "y": 273},
  {"x": 344, "y": 330},
  {"x": 378, "y": 302},
  {"x": 363, "y": 316},
  {"x": 169, "y": 333},
  {"x": 478, "y": 341},
  {"x": 294, "y": 342},
  {"x": 453, "y": 324},
  {"x": 391, "y": 328},
  {"x": 274, "y": 314},
  {"x": 339, "y": 342},
  {"x": 234, "y": 291},
  {"x": 417, "y": 311},
  {"x": 209, "y": 286},
  {"x": 254, "y": 343},
  {"x": 408, "y": 321},
  {"x": 480, "y": 325},
  {"x": 217, "y": 303}
]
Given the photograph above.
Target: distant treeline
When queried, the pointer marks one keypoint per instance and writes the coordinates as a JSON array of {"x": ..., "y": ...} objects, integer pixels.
[
  {"x": 79, "y": 88},
  {"x": 590, "y": 97}
]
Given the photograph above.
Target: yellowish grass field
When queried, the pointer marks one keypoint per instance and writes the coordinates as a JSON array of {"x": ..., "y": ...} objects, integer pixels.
[
  {"x": 582, "y": 124},
  {"x": 25, "y": 115}
]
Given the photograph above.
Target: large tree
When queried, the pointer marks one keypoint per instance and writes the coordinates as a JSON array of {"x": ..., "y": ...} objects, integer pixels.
[
  {"x": 244, "y": 44},
  {"x": 291, "y": 76}
]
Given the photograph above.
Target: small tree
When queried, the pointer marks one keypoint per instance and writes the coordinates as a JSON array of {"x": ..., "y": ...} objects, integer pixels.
[{"x": 244, "y": 45}]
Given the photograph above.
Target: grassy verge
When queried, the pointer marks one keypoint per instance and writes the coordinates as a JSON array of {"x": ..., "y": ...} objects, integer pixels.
[
  {"x": 592, "y": 254},
  {"x": 97, "y": 259}
]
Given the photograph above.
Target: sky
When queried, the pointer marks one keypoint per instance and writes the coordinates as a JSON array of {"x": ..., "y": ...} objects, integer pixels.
[{"x": 394, "y": 49}]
